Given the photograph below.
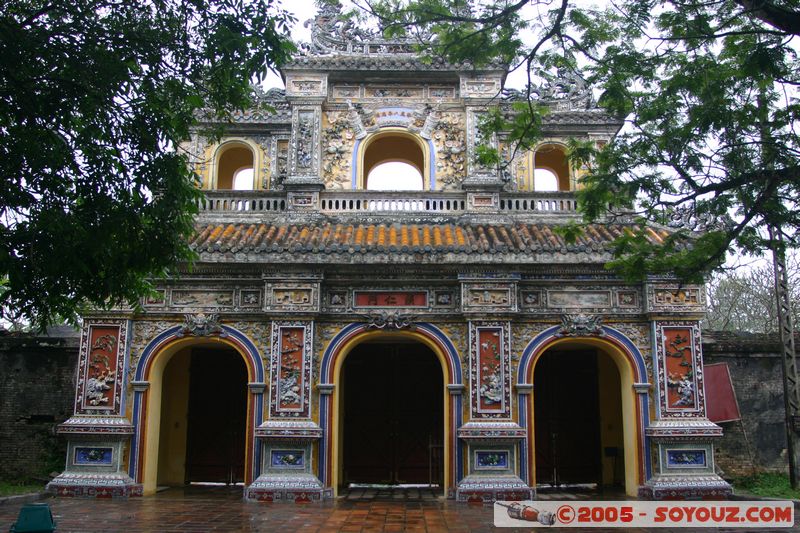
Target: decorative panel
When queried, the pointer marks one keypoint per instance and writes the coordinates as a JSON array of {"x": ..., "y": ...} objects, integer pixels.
[
  {"x": 290, "y": 369},
  {"x": 579, "y": 299},
  {"x": 490, "y": 370},
  {"x": 676, "y": 299},
  {"x": 101, "y": 367},
  {"x": 480, "y": 297},
  {"x": 293, "y": 296},
  {"x": 306, "y": 85},
  {"x": 680, "y": 458},
  {"x": 679, "y": 360},
  {"x": 201, "y": 299},
  {"x": 305, "y": 141},
  {"x": 390, "y": 299},
  {"x": 491, "y": 460},
  {"x": 93, "y": 456},
  {"x": 287, "y": 459}
]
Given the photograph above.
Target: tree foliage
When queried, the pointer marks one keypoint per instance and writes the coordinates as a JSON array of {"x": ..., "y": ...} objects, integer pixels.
[
  {"x": 95, "y": 98},
  {"x": 744, "y": 300},
  {"x": 708, "y": 91}
]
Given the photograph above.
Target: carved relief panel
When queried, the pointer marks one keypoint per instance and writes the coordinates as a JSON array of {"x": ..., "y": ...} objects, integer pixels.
[
  {"x": 475, "y": 138},
  {"x": 490, "y": 369},
  {"x": 101, "y": 367},
  {"x": 290, "y": 369},
  {"x": 306, "y": 85},
  {"x": 674, "y": 298},
  {"x": 679, "y": 362},
  {"x": 304, "y": 150},
  {"x": 488, "y": 297},
  {"x": 338, "y": 139},
  {"x": 292, "y": 297}
]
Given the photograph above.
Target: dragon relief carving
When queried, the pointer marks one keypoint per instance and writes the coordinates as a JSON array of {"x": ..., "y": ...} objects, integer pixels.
[
  {"x": 386, "y": 320},
  {"x": 581, "y": 325},
  {"x": 449, "y": 140},
  {"x": 202, "y": 325}
]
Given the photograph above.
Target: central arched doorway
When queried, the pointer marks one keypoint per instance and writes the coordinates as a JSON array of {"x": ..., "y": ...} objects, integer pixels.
[{"x": 392, "y": 421}]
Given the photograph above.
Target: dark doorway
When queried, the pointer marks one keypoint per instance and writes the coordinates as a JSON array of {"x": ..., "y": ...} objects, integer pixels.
[
  {"x": 567, "y": 418},
  {"x": 216, "y": 431},
  {"x": 392, "y": 409}
]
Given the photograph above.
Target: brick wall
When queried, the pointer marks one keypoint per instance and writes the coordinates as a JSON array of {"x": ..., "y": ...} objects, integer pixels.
[
  {"x": 37, "y": 389},
  {"x": 758, "y": 442}
]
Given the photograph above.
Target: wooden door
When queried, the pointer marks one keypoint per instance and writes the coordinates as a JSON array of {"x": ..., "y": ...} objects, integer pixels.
[
  {"x": 216, "y": 432},
  {"x": 567, "y": 418},
  {"x": 392, "y": 412}
]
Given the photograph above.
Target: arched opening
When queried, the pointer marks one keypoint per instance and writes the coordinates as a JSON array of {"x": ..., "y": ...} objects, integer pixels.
[
  {"x": 235, "y": 167},
  {"x": 393, "y": 160},
  {"x": 578, "y": 433},
  {"x": 197, "y": 426},
  {"x": 202, "y": 435},
  {"x": 332, "y": 413},
  {"x": 392, "y": 434},
  {"x": 551, "y": 168},
  {"x": 589, "y": 432}
]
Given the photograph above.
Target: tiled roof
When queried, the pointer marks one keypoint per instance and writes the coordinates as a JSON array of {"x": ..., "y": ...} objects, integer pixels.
[{"x": 425, "y": 242}]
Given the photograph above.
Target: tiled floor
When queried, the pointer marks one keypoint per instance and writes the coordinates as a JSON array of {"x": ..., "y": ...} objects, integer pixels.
[{"x": 223, "y": 510}]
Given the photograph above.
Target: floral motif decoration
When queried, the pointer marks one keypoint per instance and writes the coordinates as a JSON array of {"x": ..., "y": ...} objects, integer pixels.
[
  {"x": 338, "y": 138},
  {"x": 679, "y": 360},
  {"x": 290, "y": 370},
  {"x": 101, "y": 365},
  {"x": 101, "y": 373},
  {"x": 490, "y": 371},
  {"x": 451, "y": 161}
]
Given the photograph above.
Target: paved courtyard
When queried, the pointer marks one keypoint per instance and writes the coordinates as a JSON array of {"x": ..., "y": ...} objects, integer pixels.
[{"x": 223, "y": 510}]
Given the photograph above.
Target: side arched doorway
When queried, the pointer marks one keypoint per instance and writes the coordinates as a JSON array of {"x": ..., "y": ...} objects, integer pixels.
[
  {"x": 578, "y": 428},
  {"x": 202, "y": 434},
  {"x": 184, "y": 429},
  {"x": 586, "y": 423}
]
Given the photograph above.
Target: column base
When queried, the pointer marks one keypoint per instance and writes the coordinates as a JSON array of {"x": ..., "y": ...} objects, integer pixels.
[
  {"x": 298, "y": 488},
  {"x": 676, "y": 487},
  {"x": 86, "y": 485},
  {"x": 487, "y": 489}
]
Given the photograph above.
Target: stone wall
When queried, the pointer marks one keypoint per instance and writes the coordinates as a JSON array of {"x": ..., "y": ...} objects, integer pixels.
[
  {"x": 37, "y": 390},
  {"x": 758, "y": 441}
]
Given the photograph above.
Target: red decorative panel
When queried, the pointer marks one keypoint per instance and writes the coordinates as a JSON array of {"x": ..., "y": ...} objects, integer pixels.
[
  {"x": 100, "y": 368},
  {"x": 490, "y": 371},
  {"x": 391, "y": 299},
  {"x": 291, "y": 369},
  {"x": 680, "y": 364}
]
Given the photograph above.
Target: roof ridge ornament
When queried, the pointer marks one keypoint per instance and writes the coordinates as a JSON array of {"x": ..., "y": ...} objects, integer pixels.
[
  {"x": 333, "y": 33},
  {"x": 565, "y": 90}
]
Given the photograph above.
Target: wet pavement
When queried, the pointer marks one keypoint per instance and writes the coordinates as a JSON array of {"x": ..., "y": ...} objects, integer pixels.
[{"x": 222, "y": 509}]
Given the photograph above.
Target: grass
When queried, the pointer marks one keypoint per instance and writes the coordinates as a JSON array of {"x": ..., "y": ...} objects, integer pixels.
[
  {"x": 768, "y": 484},
  {"x": 11, "y": 488}
]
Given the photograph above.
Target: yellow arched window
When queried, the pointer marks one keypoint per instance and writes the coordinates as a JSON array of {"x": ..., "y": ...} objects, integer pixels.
[
  {"x": 551, "y": 168},
  {"x": 393, "y": 160},
  {"x": 235, "y": 167}
]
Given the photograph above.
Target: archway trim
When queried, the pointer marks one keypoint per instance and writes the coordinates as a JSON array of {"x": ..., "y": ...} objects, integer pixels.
[
  {"x": 357, "y": 157},
  {"x": 166, "y": 339}
]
